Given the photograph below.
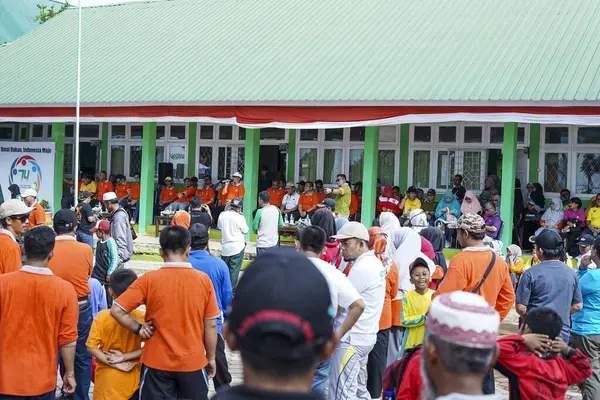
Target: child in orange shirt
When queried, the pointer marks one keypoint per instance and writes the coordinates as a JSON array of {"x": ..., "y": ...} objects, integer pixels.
[{"x": 116, "y": 349}]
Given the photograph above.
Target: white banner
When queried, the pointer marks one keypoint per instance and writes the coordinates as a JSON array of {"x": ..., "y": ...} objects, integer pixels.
[{"x": 28, "y": 165}]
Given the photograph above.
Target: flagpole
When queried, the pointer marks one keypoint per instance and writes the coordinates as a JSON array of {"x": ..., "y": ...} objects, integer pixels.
[{"x": 77, "y": 110}]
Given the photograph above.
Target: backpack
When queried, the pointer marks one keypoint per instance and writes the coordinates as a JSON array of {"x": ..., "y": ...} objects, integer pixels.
[{"x": 394, "y": 373}]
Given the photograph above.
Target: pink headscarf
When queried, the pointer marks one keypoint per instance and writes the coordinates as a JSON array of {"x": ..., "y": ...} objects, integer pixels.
[
  {"x": 427, "y": 248},
  {"x": 474, "y": 207}
]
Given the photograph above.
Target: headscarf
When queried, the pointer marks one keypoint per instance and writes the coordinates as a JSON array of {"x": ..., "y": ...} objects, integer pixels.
[
  {"x": 538, "y": 196},
  {"x": 388, "y": 223},
  {"x": 323, "y": 218},
  {"x": 418, "y": 219},
  {"x": 436, "y": 237},
  {"x": 339, "y": 222},
  {"x": 453, "y": 205},
  {"x": 516, "y": 252},
  {"x": 182, "y": 218},
  {"x": 470, "y": 208},
  {"x": 378, "y": 243},
  {"x": 406, "y": 245},
  {"x": 388, "y": 191},
  {"x": 553, "y": 217},
  {"x": 427, "y": 248}
]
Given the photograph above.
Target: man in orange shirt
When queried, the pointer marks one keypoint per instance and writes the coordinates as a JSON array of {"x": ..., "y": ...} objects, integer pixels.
[
  {"x": 207, "y": 193},
  {"x": 233, "y": 190},
  {"x": 168, "y": 194},
  {"x": 38, "y": 315},
  {"x": 308, "y": 201},
  {"x": 13, "y": 216},
  {"x": 320, "y": 190},
  {"x": 122, "y": 189},
  {"x": 276, "y": 193},
  {"x": 134, "y": 198},
  {"x": 72, "y": 262},
  {"x": 104, "y": 186},
  {"x": 184, "y": 196},
  {"x": 181, "y": 305},
  {"x": 37, "y": 216}
]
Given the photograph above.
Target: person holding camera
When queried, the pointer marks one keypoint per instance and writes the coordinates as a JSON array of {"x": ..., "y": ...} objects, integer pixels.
[{"x": 200, "y": 213}]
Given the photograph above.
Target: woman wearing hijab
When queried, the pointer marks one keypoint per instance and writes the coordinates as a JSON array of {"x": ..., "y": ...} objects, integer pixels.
[
  {"x": 515, "y": 263},
  {"x": 552, "y": 218},
  {"x": 388, "y": 223},
  {"x": 181, "y": 218},
  {"x": 448, "y": 210},
  {"x": 418, "y": 220},
  {"x": 324, "y": 219},
  {"x": 377, "y": 361},
  {"x": 535, "y": 197},
  {"x": 339, "y": 222},
  {"x": 490, "y": 188},
  {"x": 436, "y": 237},
  {"x": 470, "y": 204}
]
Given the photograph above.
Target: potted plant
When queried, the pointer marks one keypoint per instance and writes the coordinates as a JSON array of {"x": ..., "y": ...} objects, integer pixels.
[{"x": 48, "y": 214}]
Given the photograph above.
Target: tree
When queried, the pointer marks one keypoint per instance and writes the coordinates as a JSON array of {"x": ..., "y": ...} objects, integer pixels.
[{"x": 47, "y": 13}]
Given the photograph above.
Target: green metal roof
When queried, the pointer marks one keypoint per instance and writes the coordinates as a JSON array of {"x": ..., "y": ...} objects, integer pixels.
[
  {"x": 312, "y": 50},
  {"x": 17, "y": 17}
]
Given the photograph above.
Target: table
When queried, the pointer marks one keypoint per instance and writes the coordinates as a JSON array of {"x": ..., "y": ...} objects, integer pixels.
[
  {"x": 290, "y": 230},
  {"x": 158, "y": 221}
]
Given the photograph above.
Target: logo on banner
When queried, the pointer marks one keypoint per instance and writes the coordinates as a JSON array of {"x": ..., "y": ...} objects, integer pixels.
[{"x": 26, "y": 173}]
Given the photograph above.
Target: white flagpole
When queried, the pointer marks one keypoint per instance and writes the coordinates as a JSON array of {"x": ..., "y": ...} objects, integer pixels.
[{"x": 77, "y": 107}]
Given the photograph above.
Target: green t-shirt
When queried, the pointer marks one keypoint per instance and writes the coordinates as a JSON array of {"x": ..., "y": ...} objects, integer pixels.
[{"x": 342, "y": 201}]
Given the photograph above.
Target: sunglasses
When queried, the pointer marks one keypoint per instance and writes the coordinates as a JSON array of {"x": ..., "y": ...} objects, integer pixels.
[{"x": 22, "y": 218}]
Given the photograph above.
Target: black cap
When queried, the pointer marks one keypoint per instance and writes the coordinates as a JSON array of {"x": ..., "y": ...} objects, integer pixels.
[
  {"x": 237, "y": 203},
  {"x": 199, "y": 232},
  {"x": 65, "y": 218},
  {"x": 282, "y": 306},
  {"x": 85, "y": 195},
  {"x": 586, "y": 240},
  {"x": 319, "y": 181},
  {"x": 328, "y": 202},
  {"x": 301, "y": 183},
  {"x": 548, "y": 239},
  {"x": 419, "y": 262},
  {"x": 411, "y": 189},
  {"x": 431, "y": 191}
]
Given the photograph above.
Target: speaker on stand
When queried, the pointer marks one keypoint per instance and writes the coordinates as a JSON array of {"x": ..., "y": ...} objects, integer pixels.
[{"x": 164, "y": 170}]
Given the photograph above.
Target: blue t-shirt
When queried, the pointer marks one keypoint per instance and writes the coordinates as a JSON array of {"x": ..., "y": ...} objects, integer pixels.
[
  {"x": 217, "y": 271},
  {"x": 587, "y": 321},
  {"x": 550, "y": 284}
]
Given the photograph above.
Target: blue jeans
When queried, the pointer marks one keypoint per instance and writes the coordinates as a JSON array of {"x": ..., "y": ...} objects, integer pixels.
[
  {"x": 83, "y": 359},
  {"x": 321, "y": 376},
  {"x": 87, "y": 238}
]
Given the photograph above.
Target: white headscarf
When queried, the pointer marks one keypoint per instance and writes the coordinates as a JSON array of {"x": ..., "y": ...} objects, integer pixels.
[
  {"x": 418, "y": 220},
  {"x": 553, "y": 217},
  {"x": 388, "y": 223},
  {"x": 406, "y": 248}
]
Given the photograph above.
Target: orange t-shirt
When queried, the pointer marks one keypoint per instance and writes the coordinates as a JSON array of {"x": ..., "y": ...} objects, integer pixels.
[
  {"x": 107, "y": 334},
  {"x": 188, "y": 193},
  {"x": 168, "y": 194},
  {"x": 396, "y": 311},
  {"x": 178, "y": 299},
  {"x": 123, "y": 190},
  {"x": 10, "y": 253},
  {"x": 135, "y": 191},
  {"x": 207, "y": 194},
  {"x": 72, "y": 262},
  {"x": 234, "y": 192},
  {"x": 353, "y": 204},
  {"x": 391, "y": 290},
  {"x": 322, "y": 196},
  {"x": 38, "y": 314},
  {"x": 466, "y": 271},
  {"x": 37, "y": 216},
  {"x": 276, "y": 196},
  {"x": 307, "y": 201},
  {"x": 104, "y": 187}
]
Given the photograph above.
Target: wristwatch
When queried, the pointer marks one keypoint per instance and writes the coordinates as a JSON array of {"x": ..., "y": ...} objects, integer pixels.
[{"x": 139, "y": 328}]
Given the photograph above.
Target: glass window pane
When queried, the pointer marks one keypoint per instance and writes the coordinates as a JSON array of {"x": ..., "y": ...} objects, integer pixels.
[
  {"x": 334, "y": 135},
  {"x": 69, "y": 130},
  {"x": 356, "y": 165},
  {"x": 224, "y": 162},
  {"x": 242, "y": 133},
  {"x": 333, "y": 165},
  {"x": 588, "y": 135},
  {"x": 421, "y": 165},
  {"x": 205, "y": 162},
  {"x": 117, "y": 159},
  {"x": 136, "y": 132},
  {"x": 357, "y": 134},
  {"x": 160, "y": 132},
  {"x": 206, "y": 132},
  {"x": 307, "y": 165},
  {"x": 177, "y": 157},
  {"x": 239, "y": 165},
  {"x": 557, "y": 135},
  {"x": 6, "y": 133},
  {"x": 177, "y": 132},
  {"x": 473, "y": 134},
  {"x": 447, "y": 134},
  {"x": 387, "y": 134},
  {"x": 497, "y": 134},
  {"x": 445, "y": 169},
  {"x": 160, "y": 158},
  {"x": 69, "y": 155},
  {"x": 135, "y": 160},
  {"x": 521, "y": 134},
  {"x": 49, "y": 130},
  {"x": 422, "y": 134},
  {"x": 309, "y": 134},
  {"x": 386, "y": 167},
  {"x": 117, "y": 132},
  {"x": 555, "y": 172},
  {"x": 89, "y": 131},
  {"x": 272, "y": 133},
  {"x": 226, "y": 132},
  {"x": 37, "y": 131},
  {"x": 588, "y": 173},
  {"x": 471, "y": 170}
]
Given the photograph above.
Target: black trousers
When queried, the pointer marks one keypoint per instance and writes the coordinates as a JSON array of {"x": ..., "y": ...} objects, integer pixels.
[
  {"x": 222, "y": 375},
  {"x": 157, "y": 384},
  {"x": 376, "y": 364}
]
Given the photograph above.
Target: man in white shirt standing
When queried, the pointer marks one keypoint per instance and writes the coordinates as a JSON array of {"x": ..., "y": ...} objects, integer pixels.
[
  {"x": 347, "y": 379},
  {"x": 266, "y": 223},
  {"x": 345, "y": 299},
  {"x": 233, "y": 227},
  {"x": 289, "y": 204}
]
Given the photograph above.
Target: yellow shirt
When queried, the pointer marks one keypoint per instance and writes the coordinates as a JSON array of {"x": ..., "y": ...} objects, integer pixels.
[
  {"x": 412, "y": 317},
  {"x": 90, "y": 187},
  {"x": 594, "y": 217},
  {"x": 342, "y": 201},
  {"x": 410, "y": 205}
]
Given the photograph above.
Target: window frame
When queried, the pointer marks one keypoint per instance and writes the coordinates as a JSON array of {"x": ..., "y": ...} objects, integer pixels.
[{"x": 12, "y": 129}]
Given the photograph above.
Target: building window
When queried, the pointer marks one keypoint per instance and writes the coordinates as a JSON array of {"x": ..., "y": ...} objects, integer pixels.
[
  {"x": 333, "y": 164},
  {"x": 445, "y": 168},
  {"x": 272, "y": 134},
  {"x": 387, "y": 134},
  {"x": 205, "y": 162},
  {"x": 177, "y": 132},
  {"x": 226, "y": 132},
  {"x": 117, "y": 159},
  {"x": 6, "y": 132},
  {"x": 357, "y": 134},
  {"x": 473, "y": 134},
  {"x": 357, "y": 161},
  {"x": 177, "y": 158},
  {"x": 135, "y": 160},
  {"x": 160, "y": 132},
  {"x": 241, "y": 133},
  {"x": 421, "y": 165},
  {"x": 160, "y": 158},
  {"x": 587, "y": 173},
  {"x": 497, "y": 134},
  {"x": 37, "y": 131},
  {"x": 422, "y": 134},
  {"x": 206, "y": 132},
  {"x": 307, "y": 164},
  {"x": 555, "y": 172},
  {"x": 471, "y": 170},
  {"x": 89, "y": 131},
  {"x": 309, "y": 134},
  {"x": 588, "y": 135},
  {"x": 447, "y": 134},
  {"x": 557, "y": 135},
  {"x": 117, "y": 131},
  {"x": 224, "y": 165},
  {"x": 386, "y": 167},
  {"x": 136, "y": 132},
  {"x": 334, "y": 135}
]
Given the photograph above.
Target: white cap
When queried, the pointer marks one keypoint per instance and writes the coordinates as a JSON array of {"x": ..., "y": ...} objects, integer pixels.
[
  {"x": 238, "y": 174},
  {"x": 168, "y": 178},
  {"x": 29, "y": 193},
  {"x": 353, "y": 230},
  {"x": 14, "y": 207},
  {"x": 109, "y": 196}
]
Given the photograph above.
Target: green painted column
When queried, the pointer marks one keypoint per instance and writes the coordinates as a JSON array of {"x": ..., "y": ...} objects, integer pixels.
[
  {"x": 509, "y": 171},
  {"x": 147, "y": 176},
  {"x": 104, "y": 148},
  {"x": 192, "y": 138},
  {"x": 291, "y": 158},
  {"x": 58, "y": 137},
  {"x": 251, "y": 174},
  {"x": 370, "y": 167},
  {"x": 404, "y": 144},
  {"x": 534, "y": 153}
]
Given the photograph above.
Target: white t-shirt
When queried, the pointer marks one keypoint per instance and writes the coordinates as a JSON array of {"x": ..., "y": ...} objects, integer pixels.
[
  {"x": 233, "y": 227},
  {"x": 266, "y": 224},
  {"x": 290, "y": 201},
  {"x": 342, "y": 293},
  {"x": 367, "y": 275},
  {"x": 579, "y": 257}
]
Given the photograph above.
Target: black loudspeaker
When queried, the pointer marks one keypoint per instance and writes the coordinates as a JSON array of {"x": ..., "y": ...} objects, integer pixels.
[{"x": 164, "y": 170}]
